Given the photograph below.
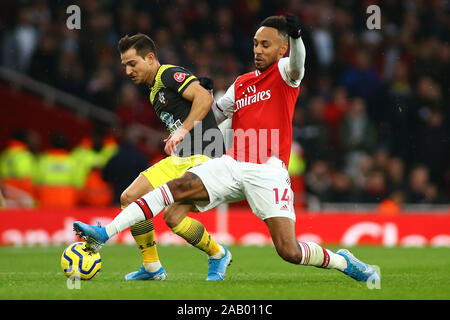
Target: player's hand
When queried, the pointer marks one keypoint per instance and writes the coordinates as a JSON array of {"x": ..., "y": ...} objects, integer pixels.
[
  {"x": 207, "y": 83},
  {"x": 173, "y": 140},
  {"x": 293, "y": 25}
]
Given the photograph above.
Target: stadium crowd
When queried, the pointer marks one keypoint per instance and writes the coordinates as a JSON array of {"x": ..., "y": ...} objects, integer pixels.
[{"x": 372, "y": 119}]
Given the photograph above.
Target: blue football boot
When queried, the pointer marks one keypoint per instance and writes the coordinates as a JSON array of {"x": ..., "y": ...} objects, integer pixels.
[
  {"x": 218, "y": 267},
  {"x": 95, "y": 236},
  {"x": 357, "y": 269},
  {"x": 143, "y": 274}
]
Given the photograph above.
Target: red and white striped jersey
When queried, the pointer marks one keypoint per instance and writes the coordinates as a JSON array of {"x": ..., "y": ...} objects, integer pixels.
[{"x": 261, "y": 105}]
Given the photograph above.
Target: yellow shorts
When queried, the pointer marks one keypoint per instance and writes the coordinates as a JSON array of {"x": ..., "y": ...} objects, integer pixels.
[{"x": 171, "y": 168}]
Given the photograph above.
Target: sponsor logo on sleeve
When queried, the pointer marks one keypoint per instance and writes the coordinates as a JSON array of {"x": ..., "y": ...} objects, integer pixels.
[{"x": 180, "y": 76}]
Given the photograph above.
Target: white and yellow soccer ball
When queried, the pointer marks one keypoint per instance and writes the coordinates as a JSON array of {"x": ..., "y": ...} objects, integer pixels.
[{"x": 78, "y": 262}]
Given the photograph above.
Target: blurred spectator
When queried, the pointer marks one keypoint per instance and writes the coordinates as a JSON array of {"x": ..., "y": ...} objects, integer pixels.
[
  {"x": 392, "y": 205},
  {"x": 321, "y": 34},
  {"x": 361, "y": 172},
  {"x": 318, "y": 179},
  {"x": 381, "y": 159},
  {"x": 418, "y": 188},
  {"x": 427, "y": 96},
  {"x": 56, "y": 175},
  {"x": 85, "y": 157},
  {"x": 132, "y": 108},
  {"x": 101, "y": 89},
  {"x": 40, "y": 12},
  {"x": 91, "y": 156},
  {"x": 432, "y": 195},
  {"x": 432, "y": 145},
  {"x": 334, "y": 111},
  {"x": 324, "y": 87},
  {"x": 108, "y": 149},
  {"x": 375, "y": 188},
  {"x": 70, "y": 73},
  {"x": 395, "y": 174},
  {"x": 312, "y": 132},
  {"x": 17, "y": 170},
  {"x": 426, "y": 62},
  {"x": 92, "y": 152},
  {"x": 361, "y": 80},
  {"x": 400, "y": 95},
  {"x": 357, "y": 135},
  {"x": 125, "y": 165},
  {"x": 43, "y": 66},
  {"x": 20, "y": 42},
  {"x": 340, "y": 190}
]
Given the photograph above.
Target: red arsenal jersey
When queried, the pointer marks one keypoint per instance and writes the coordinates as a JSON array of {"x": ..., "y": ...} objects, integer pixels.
[{"x": 262, "y": 106}]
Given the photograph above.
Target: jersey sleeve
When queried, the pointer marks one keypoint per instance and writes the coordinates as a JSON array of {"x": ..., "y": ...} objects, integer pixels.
[
  {"x": 177, "y": 79},
  {"x": 224, "y": 107},
  {"x": 283, "y": 66}
]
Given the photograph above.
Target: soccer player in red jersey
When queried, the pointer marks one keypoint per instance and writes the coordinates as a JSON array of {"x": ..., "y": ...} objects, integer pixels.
[{"x": 261, "y": 105}]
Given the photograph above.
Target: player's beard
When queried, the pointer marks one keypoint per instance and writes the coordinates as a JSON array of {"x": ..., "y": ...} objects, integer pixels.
[{"x": 266, "y": 66}]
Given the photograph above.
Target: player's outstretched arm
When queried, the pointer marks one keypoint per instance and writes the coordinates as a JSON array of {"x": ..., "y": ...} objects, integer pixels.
[
  {"x": 297, "y": 52},
  {"x": 201, "y": 104}
]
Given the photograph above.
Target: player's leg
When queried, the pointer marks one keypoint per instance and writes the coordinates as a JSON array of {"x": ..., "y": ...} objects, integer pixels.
[
  {"x": 175, "y": 215},
  {"x": 144, "y": 234},
  {"x": 218, "y": 183},
  {"x": 282, "y": 231},
  {"x": 215, "y": 174},
  {"x": 192, "y": 230},
  {"x": 269, "y": 194},
  {"x": 190, "y": 187},
  {"x": 135, "y": 190},
  {"x": 187, "y": 187}
]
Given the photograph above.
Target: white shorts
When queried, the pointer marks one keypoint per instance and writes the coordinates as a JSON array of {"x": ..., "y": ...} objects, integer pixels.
[{"x": 266, "y": 187}]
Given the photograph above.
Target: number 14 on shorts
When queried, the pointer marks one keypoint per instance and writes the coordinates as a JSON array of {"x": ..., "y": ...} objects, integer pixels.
[{"x": 285, "y": 197}]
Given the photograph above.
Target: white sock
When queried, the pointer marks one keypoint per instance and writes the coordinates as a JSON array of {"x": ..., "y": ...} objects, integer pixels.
[
  {"x": 336, "y": 261},
  {"x": 125, "y": 219},
  {"x": 315, "y": 255},
  {"x": 153, "y": 266},
  {"x": 142, "y": 209},
  {"x": 219, "y": 254}
]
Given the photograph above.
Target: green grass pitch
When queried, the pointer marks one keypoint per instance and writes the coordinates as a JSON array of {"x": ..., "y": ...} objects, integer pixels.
[{"x": 257, "y": 273}]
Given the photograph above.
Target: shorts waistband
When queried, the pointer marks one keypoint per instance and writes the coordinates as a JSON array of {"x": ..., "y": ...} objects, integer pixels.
[{"x": 273, "y": 161}]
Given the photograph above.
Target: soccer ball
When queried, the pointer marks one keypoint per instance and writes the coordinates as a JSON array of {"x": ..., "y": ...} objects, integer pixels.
[{"x": 78, "y": 262}]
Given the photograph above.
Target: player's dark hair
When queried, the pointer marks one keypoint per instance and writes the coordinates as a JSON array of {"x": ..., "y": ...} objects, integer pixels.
[
  {"x": 141, "y": 42},
  {"x": 276, "y": 22}
]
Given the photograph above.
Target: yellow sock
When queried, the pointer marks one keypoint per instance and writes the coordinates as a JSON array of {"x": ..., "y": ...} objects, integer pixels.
[
  {"x": 144, "y": 234},
  {"x": 195, "y": 233}
]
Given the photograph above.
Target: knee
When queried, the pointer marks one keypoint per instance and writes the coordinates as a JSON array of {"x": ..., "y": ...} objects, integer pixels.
[
  {"x": 290, "y": 253},
  {"x": 172, "y": 217},
  {"x": 126, "y": 198}
]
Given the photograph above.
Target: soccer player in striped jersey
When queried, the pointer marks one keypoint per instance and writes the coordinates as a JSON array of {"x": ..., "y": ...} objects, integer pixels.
[{"x": 181, "y": 103}]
